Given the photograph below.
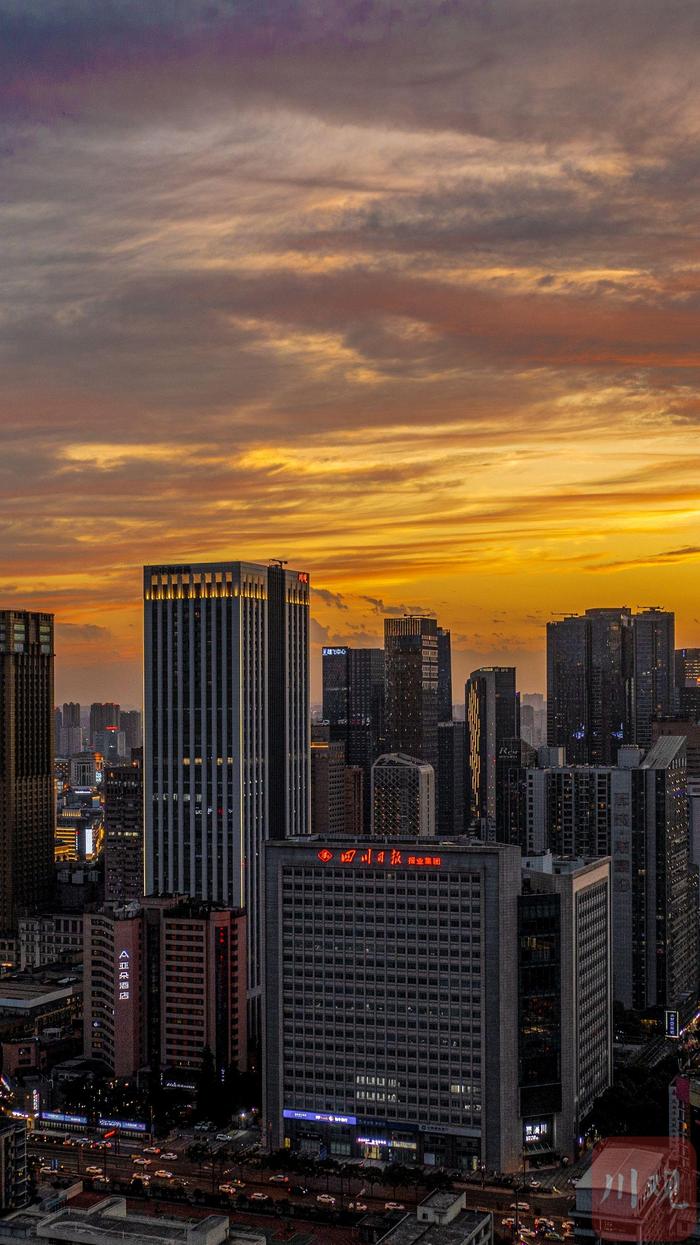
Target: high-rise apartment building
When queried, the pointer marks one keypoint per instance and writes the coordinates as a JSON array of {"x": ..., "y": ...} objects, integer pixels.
[
  {"x": 514, "y": 759},
  {"x": 389, "y": 1030},
  {"x": 569, "y": 708},
  {"x": 444, "y": 692},
  {"x": 403, "y": 797},
  {"x": 70, "y": 713},
  {"x": 123, "y": 823},
  {"x": 226, "y": 730},
  {"x": 70, "y": 741},
  {"x": 687, "y": 664},
  {"x": 163, "y": 980},
  {"x": 411, "y": 655},
  {"x": 636, "y": 812},
  {"x": 451, "y": 780},
  {"x": 27, "y": 800},
  {"x": 492, "y": 715},
  {"x": 590, "y": 684},
  {"x": 654, "y": 670},
  {"x": 103, "y": 716}
]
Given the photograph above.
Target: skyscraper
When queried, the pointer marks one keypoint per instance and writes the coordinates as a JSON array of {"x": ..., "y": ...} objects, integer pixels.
[
  {"x": 590, "y": 663},
  {"x": 130, "y": 723},
  {"x": 444, "y": 675},
  {"x": 353, "y": 705},
  {"x": 70, "y": 713},
  {"x": 403, "y": 797},
  {"x": 492, "y": 716},
  {"x": 411, "y": 654},
  {"x": 26, "y": 763},
  {"x": 654, "y": 672},
  {"x": 450, "y": 780},
  {"x": 226, "y": 729},
  {"x": 688, "y": 682}
]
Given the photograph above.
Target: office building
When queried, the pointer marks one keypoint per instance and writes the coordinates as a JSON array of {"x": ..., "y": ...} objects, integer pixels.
[
  {"x": 101, "y": 717},
  {"x": 654, "y": 672},
  {"x": 403, "y": 797},
  {"x": 327, "y": 788},
  {"x": 123, "y": 826},
  {"x": 86, "y": 769},
  {"x": 353, "y": 707},
  {"x": 636, "y": 812},
  {"x": 27, "y": 797},
  {"x": 411, "y": 655},
  {"x": 226, "y": 730},
  {"x": 569, "y": 708},
  {"x": 612, "y": 668},
  {"x": 492, "y": 716},
  {"x": 451, "y": 789},
  {"x": 391, "y": 1033},
  {"x": 163, "y": 980},
  {"x": 14, "y": 1177},
  {"x": 514, "y": 759},
  {"x": 444, "y": 691},
  {"x": 687, "y": 665},
  {"x": 565, "y": 999},
  {"x": 590, "y": 683},
  {"x": 690, "y": 730},
  {"x": 354, "y": 800},
  {"x": 130, "y": 724}
]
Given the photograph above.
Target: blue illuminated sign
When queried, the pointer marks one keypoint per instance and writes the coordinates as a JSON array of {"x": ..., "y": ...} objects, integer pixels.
[
  {"x": 334, "y": 652},
  {"x": 319, "y": 1117},
  {"x": 132, "y": 1126},
  {"x": 672, "y": 1025}
]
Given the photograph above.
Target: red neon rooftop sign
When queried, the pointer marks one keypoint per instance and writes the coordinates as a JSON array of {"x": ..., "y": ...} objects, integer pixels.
[{"x": 381, "y": 856}]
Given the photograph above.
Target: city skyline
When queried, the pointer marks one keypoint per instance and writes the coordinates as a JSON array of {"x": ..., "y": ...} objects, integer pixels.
[{"x": 409, "y": 298}]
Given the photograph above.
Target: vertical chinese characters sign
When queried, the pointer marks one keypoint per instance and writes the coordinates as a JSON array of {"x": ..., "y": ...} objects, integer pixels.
[{"x": 124, "y": 976}]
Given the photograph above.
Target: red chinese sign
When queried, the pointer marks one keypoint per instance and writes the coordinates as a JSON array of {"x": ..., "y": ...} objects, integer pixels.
[{"x": 378, "y": 856}]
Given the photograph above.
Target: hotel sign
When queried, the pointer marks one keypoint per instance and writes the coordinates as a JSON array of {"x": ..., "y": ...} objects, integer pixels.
[{"x": 124, "y": 975}]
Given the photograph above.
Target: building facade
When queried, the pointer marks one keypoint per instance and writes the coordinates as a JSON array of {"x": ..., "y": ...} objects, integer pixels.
[
  {"x": 654, "y": 671},
  {"x": 123, "y": 825},
  {"x": 411, "y": 655},
  {"x": 102, "y": 716},
  {"x": 353, "y": 707},
  {"x": 444, "y": 691},
  {"x": 27, "y": 796},
  {"x": 451, "y": 780},
  {"x": 226, "y": 730},
  {"x": 687, "y": 664},
  {"x": 492, "y": 716},
  {"x": 114, "y": 998},
  {"x": 403, "y": 797},
  {"x": 14, "y": 1176},
  {"x": 391, "y": 1031}
]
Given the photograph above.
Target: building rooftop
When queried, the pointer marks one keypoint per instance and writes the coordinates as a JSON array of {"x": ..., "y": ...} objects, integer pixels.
[
  {"x": 108, "y": 1223},
  {"x": 412, "y": 1232}
]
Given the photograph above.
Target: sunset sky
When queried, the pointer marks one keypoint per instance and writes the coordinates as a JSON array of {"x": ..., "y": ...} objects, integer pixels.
[{"x": 404, "y": 291}]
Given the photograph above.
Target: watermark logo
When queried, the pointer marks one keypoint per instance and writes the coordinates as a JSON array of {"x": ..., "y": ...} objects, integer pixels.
[{"x": 643, "y": 1189}]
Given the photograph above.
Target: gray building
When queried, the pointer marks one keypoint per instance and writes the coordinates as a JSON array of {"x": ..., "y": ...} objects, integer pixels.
[
  {"x": 391, "y": 980},
  {"x": 403, "y": 797},
  {"x": 441, "y": 1219},
  {"x": 226, "y": 730},
  {"x": 636, "y": 812}
]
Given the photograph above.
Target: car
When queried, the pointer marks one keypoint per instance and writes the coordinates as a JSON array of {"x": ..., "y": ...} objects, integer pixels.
[
  {"x": 151, "y": 1150},
  {"x": 325, "y": 1199},
  {"x": 101, "y": 1180},
  {"x": 553, "y": 1236},
  {"x": 394, "y": 1206},
  {"x": 534, "y": 1184},
  {"x": 168, "y": 1155},
  {"x": 68, "y": 1141},
  {"x": 232, "y": 1187},
  {"x": 260, "y": 1197},
  {"x": 224, "y": 1136},
  {"x": 568, "y": 1225},
  {"x": 44, "y": 1170},
  {"x": 508, "y": 1222},
  {"x": 142, "y": 1176},
  {"x": 521, "y": 1206},
  {"x": 528, "y": 1234},
  {"x": 357, "y": 1206},
  {"x": 93, "y": 1171},
  {"x": 278, "y": 1178},
  {"x": 544, "y": 1224},
  {"x": 162, "y": 1174}
]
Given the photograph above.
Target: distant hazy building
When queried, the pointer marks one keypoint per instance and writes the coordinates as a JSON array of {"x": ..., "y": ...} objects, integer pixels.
[
  {"x": 27, "y": 799},
  {"x": 411, "y": 654},
  {"x": 101, "y": 717},
  {"x": 111, "y": 744},
  {"x": 70, "y": 741},
  {"x": 492, "y": 716},
  {"x": 654, "y": 673},
  {"x": 130, "y": 724},
  {"x": 123, "y": 824},
  {"x": 70, "y": 713},
  {"x": 533, "y": 719},
  {"x": 403, "y": 797}
]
